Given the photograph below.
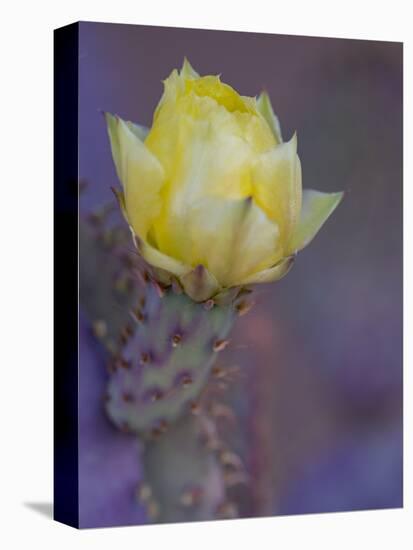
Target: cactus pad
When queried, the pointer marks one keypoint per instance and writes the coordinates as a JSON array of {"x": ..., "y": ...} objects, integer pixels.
[
  {"x": 183, "y": 476},
  {"x": 169, "y": 347}
]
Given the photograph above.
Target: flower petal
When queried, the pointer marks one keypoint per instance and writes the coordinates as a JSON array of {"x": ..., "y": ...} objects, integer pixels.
[
  {"x": 158, "y": 259},
  {"x": 230, "y": 238},
  {"x": 277, "y": 186},
  {"x": 271, "y": 274},
  {"x": 208, "y": 234},
  {"x": 138, "y": 130},
  {"x": 173, "y": 86},
  {"x": 265, "y": 108},
  {"x": 139, "y": 171},
  {"x": 316, "y": 208},
  {"x": 212, "y": 87},
  {"x": 201, "y": 145},
  {"x": 256, "y": 244},
  {"x": 187, "y": 71}
]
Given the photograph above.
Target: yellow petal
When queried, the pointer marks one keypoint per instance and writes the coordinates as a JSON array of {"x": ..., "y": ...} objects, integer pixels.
[
  {"x": 206, "y": 234},
  {"x": 271, "y": 274},
  {"x": 140, "y": 131},
  {"x": 277, "y": 186},
  {"x": 187, "y": 71},
  {"x": 197, "y": 131},
  {"x": 212, "y": 87},
  {"x": 265, "y": 108},
  {"x": 255, "y": 131},
  {"x": 198, "y": 283},
  {"x": 205, "y": 160},
  {"x": 256, "y": 245},
  {"x": 139, "y": 171},
  {"x": 316, "y": 209},
  {"x": 173, "y": 85},
  {"x": 231, "y": 238},
  {"x": 158, "y": 259}
]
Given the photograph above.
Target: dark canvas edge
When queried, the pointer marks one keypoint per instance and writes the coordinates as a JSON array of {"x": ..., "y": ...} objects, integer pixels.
[{"x": 65, "y": 173}]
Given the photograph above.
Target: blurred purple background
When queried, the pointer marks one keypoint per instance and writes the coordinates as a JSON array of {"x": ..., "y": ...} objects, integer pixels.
[{"x": 320, "y": 396}]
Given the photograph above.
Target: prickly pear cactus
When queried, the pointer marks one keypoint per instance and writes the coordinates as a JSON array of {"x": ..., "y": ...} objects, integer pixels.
[
  {"x": 161, "y": 348},
  {"x": 170, "y": 345}
]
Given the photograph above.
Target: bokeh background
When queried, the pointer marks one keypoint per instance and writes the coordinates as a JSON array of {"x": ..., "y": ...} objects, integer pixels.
[{"x": 319, "y": 396}]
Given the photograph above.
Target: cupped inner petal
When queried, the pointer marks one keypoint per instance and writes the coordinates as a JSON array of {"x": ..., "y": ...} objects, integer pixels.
[
  {"x": 316, "y": 209},
  {"x": 231, "y": 238},
  {"x": 277, "y": 186},
  {"x": 256, "y": 246}
]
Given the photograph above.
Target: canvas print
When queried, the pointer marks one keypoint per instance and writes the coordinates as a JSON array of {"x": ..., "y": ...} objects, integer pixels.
[{"x": 240, "y": 275}]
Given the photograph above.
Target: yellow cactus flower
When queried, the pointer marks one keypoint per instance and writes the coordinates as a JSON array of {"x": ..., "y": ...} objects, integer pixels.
[{"x": 212, "y": 192}]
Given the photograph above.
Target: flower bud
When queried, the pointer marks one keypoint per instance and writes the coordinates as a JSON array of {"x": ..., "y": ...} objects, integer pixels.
[{"x": 212, "y": 192}]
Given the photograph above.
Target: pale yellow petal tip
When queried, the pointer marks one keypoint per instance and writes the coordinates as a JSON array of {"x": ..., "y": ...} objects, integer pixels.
[
  {"x": 108, "y": 116},
  {"x": 290, "y": 146},
  {"x": 113, "y": 133},
  {"x": 187, "y": 71},
  {"x": 111, "y": 121},
  {"x": 294, "y": 140},
  {"x": 317, "y": 207},
  {"x": 264, "y": 103},
  {"x": 265, "y": 108},
  {"x": 114, "y": 122},
  {"x": 170, "y": 81},
  {"x": 333, "y": 200},
  {"x": 338, "y": 197}
]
